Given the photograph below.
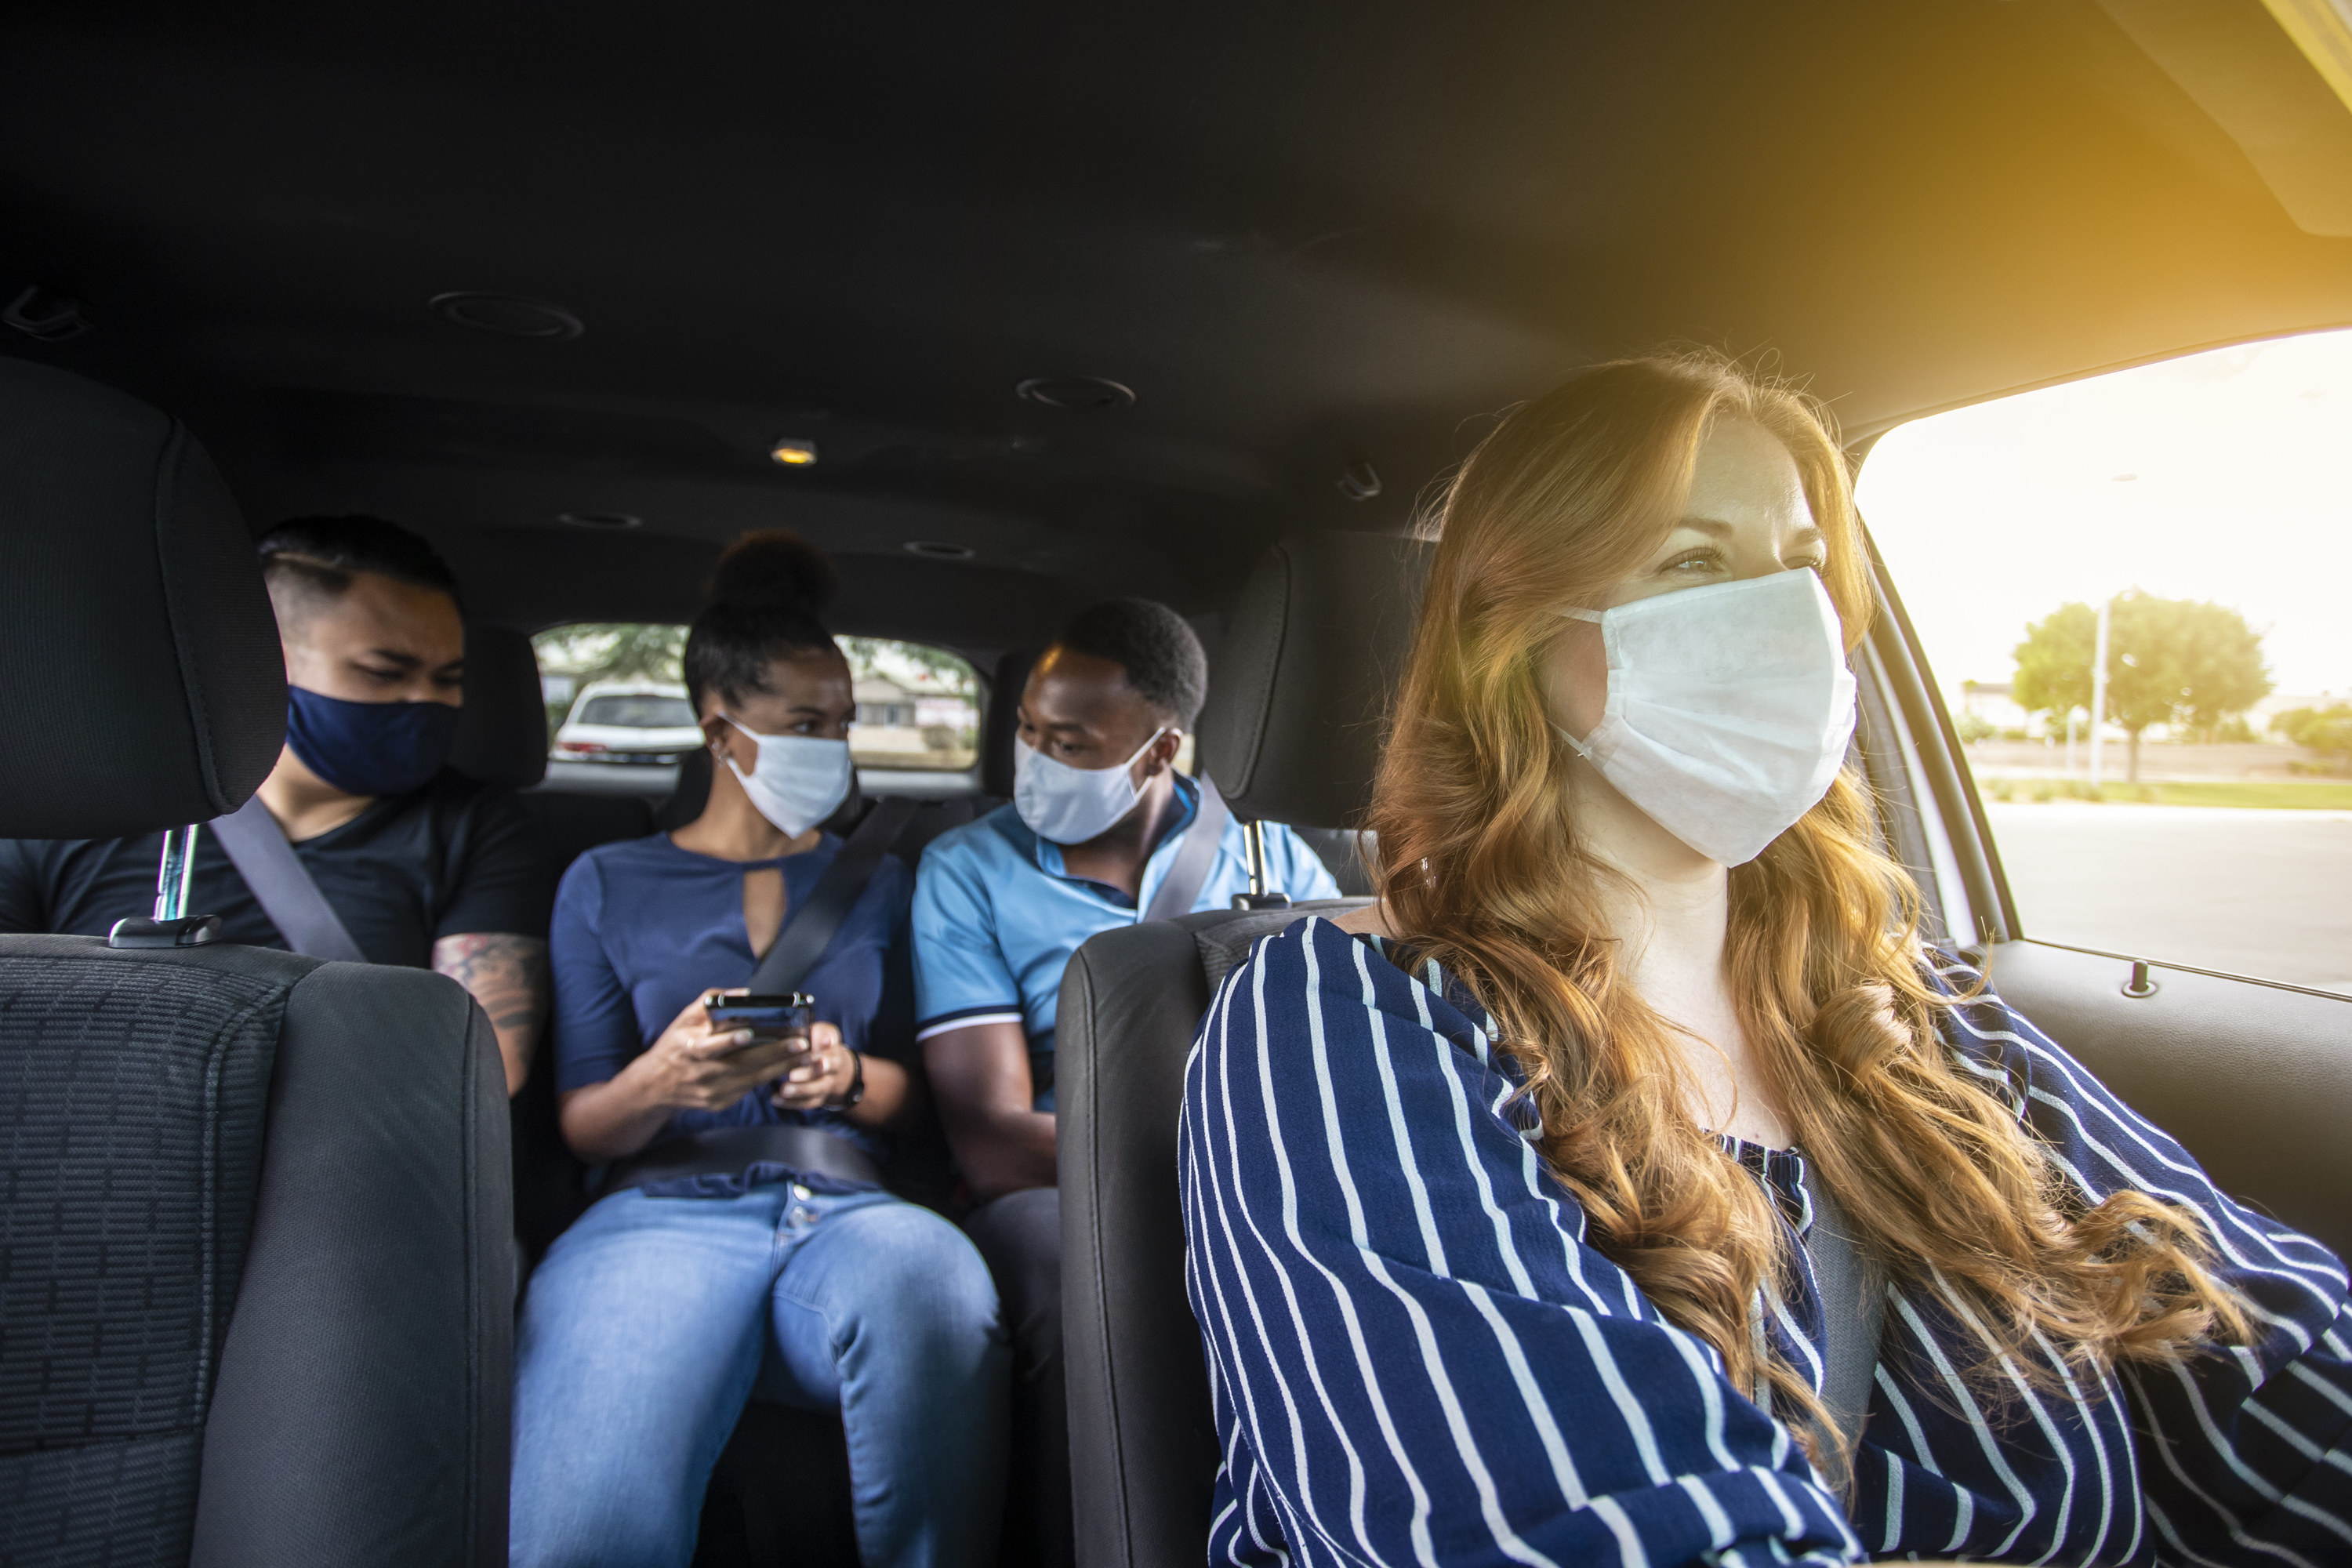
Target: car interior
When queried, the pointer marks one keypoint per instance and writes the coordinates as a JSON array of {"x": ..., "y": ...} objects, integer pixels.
[{"x": 1009, "y": 312}]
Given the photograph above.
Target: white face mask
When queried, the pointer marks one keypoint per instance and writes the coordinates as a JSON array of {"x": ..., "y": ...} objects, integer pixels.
[
  {"x": 796, "y": 781},
  {"x": 1064, "y": 805},
  {"x": 1729, "y": 708}
]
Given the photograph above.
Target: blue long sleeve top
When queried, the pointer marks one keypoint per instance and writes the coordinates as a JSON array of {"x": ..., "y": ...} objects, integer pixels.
[{"x": 1416, "y": 1357}]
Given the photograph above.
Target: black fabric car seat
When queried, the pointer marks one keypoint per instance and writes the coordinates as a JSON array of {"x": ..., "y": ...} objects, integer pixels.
[
  {"x": 1001, "y": 725},
  {"x": 255, "y": 1267},
  {"x": 502, "y": 731},
  {"x": 503, "y": 739},
  {"x": 1292, "y": 733}
]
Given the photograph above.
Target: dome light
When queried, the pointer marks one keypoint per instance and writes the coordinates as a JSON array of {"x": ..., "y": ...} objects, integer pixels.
[{"x": 794, "y": 453}]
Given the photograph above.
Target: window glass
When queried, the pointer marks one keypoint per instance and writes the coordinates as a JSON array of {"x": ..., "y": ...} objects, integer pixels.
[
  {"x": 643, "y": 656},
  {"x": 917, "y": 707},
  {"x": 2205, "y": 506},
  {"x": 637, "y": 712}
]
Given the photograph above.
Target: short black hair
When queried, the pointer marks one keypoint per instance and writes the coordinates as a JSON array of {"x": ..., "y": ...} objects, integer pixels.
[
  {"x": 318, "y": 555},
  {"x": 766, "y": 600},
  {"x": 1153, "y": 642}
]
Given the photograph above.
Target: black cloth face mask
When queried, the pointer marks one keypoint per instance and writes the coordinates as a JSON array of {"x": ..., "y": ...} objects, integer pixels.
[{"x": 370, "y": 748}]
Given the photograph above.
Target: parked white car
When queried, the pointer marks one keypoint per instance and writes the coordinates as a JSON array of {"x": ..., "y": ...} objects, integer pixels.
[{"x": 627, "y": 721}]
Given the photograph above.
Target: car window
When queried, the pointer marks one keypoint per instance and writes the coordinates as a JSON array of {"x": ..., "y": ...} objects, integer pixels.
[
  {"x": 2194, "y": 518},
  {"x": 574, "y": 658},
  {"x": 637, "y": 712},
  {"x": 917, "y": 706}
]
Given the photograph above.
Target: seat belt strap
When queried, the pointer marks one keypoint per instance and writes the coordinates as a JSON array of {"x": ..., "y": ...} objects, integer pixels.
[
  {"x": 812, "y": 926},
  {"x": 1181, "y": 888},
  {"x": 282, "y": 885}
]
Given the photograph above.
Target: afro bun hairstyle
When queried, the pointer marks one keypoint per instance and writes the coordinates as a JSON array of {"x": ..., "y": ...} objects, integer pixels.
[
  {"x": 766, "y": 600},
  {"x": 773, "y": 569}
]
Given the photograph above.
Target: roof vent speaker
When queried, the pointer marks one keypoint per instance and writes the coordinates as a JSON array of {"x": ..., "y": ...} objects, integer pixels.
[
  {"x": 939, "y": 550},
  {"x": 608, "y": 520},
  {"x": 1094, "y": 392},
  {"x": 509, "y": 315}
]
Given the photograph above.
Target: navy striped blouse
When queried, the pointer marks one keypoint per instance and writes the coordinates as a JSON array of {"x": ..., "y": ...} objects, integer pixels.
[{"x": 1415, "y": 1357}]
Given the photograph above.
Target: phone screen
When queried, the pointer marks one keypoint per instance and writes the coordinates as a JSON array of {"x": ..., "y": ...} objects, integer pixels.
[{"x": 770, "y": 1018}]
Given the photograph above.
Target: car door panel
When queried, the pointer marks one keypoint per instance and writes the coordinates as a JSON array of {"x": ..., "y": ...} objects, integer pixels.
[{"x": 2254, "y": 1081}]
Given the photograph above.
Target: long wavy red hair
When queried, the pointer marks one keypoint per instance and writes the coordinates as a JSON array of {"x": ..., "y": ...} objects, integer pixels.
[{"x": 1484, "y": 870}]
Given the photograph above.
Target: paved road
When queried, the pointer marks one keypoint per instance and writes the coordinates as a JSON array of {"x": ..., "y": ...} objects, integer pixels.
[{"x": 2265, "y": 893}]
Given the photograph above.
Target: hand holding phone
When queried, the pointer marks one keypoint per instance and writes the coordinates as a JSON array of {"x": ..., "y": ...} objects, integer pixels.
[{"x": 720, "y": 1046}]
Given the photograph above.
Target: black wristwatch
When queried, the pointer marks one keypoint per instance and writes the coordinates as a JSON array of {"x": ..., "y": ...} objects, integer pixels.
[{"x": 856, "y": 1082}]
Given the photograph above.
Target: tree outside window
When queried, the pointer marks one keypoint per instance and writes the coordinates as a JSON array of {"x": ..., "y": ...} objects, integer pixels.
[{"x": 2186, "y": 664}]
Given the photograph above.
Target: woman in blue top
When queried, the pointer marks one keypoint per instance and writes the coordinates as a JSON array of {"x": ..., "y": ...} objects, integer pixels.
[
  {"x": 745, "y": 1246},
  {"x": 1630, "y": 1185}
]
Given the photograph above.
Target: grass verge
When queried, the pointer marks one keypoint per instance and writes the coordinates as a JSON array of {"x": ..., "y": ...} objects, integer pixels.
[{"x": 2277, "y": 794}]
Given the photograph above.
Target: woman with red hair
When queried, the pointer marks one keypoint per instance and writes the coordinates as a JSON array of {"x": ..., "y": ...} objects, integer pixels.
[{"x": 1631, "y": 1183}]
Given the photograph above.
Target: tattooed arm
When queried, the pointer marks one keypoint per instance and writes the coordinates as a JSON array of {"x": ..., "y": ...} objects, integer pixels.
[{"x": 508, "y": 975}]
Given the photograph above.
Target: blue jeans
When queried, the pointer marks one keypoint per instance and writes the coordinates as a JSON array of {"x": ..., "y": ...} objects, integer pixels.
[{"x": 653, "y": 1320}]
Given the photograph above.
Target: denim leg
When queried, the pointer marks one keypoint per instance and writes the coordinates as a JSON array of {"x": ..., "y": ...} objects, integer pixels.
[
  {"x": 885, "y": 1307},
  {"x": 641, "y": 1334}
]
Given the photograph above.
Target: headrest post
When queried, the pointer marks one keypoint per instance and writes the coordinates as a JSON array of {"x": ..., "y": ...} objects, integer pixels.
[
  {"x": 1257, "y": 898},
  {"x": 172, "y": 926},
  {"x": 176, "y": 871}
]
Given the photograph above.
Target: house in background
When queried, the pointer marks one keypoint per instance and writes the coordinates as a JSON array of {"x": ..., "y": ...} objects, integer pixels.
[
  {"x": 883, "y": 704},
  {"x": 899, "y": 725}
]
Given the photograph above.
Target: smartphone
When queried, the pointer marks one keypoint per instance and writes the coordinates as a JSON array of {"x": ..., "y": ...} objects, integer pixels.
[{"x": 770, "y": 1018}]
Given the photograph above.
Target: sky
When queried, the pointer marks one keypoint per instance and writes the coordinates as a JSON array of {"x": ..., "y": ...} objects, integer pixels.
[{"x": 2224, "y": 475}]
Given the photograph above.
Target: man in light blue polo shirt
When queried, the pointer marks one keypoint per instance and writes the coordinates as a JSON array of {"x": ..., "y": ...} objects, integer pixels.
[{"x": 1099, "y": 824}]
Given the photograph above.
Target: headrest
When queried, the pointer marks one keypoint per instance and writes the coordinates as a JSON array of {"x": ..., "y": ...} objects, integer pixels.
[
  {"x": 690, "y": 794},
  {"x": 1002, "y": 721},
  {"x": 502, "y": 737},
  {"x": 145, "y": 687},
  {"x": 1299, "y": 694}
]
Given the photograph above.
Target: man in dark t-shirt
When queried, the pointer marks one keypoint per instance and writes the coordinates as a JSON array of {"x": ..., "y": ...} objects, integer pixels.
[
  {"x": 407, "y": 873},
  {"x": 424, "y": 867}
]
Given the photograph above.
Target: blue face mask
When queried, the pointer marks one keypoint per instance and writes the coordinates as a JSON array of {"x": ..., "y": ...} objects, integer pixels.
[{"x": 370, "y": 748}]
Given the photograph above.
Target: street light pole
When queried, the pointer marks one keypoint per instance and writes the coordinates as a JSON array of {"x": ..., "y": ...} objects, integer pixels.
[{"x": 2099, "y": 692}]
